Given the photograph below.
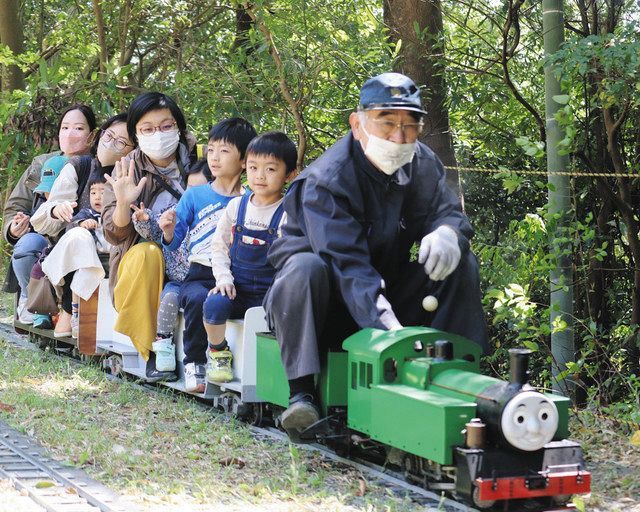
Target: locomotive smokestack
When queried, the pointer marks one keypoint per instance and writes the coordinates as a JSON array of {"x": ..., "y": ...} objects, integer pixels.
[{"x": 519, "y": 365}]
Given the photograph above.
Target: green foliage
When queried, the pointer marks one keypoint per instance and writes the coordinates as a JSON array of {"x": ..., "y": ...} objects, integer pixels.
[{"x": 196, "y": 52}]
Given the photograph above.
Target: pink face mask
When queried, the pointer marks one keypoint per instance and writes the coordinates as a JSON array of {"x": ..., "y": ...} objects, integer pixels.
[{"x": 73, "y": 142}]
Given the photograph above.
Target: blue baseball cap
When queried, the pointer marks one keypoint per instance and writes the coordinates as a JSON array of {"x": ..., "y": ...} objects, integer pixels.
[
  {"x": 49, "y": 172},
  {"x": 390, "y": 91}
]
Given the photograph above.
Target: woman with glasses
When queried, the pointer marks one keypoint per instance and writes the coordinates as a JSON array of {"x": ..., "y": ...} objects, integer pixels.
[
  {"x": 74, "y": 130},
  {"x": 69, "y": 195},
  {"x": 154, "y": 175}
]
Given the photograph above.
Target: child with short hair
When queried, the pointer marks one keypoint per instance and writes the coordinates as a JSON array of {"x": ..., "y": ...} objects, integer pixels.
[
  {"x": 176, "y": 263},
  {"x": 90, "y": 218},
  {"x": 240, "y": 244},
  {"x": 197, "y": 213}
]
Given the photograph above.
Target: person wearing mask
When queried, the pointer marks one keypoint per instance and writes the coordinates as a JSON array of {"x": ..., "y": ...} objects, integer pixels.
[
  {"x": 74, "y": 131},
  {"x": 154, "y": 175},
  {"x": 68, "y": 196},
  {"x": 344, "y": 258}
]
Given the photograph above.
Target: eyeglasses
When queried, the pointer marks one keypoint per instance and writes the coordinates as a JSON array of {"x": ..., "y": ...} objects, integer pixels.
[
  {"x": 386, "y": 127},
  {"x": 164, "y": 128},
  {"x": 119, "y": 144}
]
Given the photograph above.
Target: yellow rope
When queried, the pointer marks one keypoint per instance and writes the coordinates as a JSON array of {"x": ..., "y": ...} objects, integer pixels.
[{"x": 542, "y": 172}]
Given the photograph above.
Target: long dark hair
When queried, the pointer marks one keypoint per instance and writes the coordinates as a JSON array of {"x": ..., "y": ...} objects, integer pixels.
[
  {"x": 148, "y": 101},
  {"x": 87, "y": 112}
]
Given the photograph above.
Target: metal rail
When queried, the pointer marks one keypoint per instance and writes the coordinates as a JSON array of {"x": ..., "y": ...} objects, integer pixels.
[
  {"x": 392, "y": 480},
  {"x": 54, "y": 487}
]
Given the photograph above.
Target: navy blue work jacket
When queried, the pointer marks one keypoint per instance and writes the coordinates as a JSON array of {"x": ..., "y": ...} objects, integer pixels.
[{"x": 363, "y": 222}]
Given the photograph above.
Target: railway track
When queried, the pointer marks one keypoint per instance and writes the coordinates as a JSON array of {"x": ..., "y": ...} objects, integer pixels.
[
  {"x": 49, "y": 484},
  {"x": 376, "y": 474}
]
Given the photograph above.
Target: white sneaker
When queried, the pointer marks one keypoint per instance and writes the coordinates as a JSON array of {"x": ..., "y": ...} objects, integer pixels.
[
  {"x": 194, "y": 377},
  {"x": 75, "y": 325},
  {"x": 24, "y": 316},
  {"x": 165, "y": 355}
]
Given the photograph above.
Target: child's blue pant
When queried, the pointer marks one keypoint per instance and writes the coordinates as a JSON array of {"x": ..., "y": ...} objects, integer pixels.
[
  {"x": 193, "y": 293},
  {"x": 219, "y": 308}
]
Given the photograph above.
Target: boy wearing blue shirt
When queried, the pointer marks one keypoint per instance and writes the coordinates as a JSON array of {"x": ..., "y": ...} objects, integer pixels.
[{"x": 197, "y": 213}]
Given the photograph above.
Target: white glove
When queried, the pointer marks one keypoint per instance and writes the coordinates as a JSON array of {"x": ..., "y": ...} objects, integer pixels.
[
  {"x": 440, "y": 253},
  {"x": 387, "y": 316}
]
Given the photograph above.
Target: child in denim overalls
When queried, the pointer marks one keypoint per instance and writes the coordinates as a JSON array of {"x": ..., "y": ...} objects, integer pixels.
[{"x": 240, "y": 244}]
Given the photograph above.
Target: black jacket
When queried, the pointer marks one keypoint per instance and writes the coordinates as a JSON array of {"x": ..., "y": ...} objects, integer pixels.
[{"x": 363, "y": 223}]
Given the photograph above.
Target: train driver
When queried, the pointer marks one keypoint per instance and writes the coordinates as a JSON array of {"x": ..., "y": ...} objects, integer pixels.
[{"x": 345, "y": 261}]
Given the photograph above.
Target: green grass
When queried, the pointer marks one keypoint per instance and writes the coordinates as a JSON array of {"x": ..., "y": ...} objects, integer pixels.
[
  {"x": 612, "y": 459},
  {"x": 162, "y": 449}
]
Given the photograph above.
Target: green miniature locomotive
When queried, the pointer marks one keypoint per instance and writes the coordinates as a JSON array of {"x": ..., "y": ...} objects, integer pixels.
[{"x": 419, "y": 392}]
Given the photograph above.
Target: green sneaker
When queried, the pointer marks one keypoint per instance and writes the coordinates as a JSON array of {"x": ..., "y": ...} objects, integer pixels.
[{"x": 219, "y": 366}]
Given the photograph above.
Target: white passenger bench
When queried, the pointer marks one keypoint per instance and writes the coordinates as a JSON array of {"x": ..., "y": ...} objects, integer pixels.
[{"x": 240, "y": 334}]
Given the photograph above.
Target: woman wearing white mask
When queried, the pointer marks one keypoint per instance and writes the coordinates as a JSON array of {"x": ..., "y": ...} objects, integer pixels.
[
  {"x": 153, "y": 175},
  {"x": 74, "y": 130},
  {"x": 69, "y": 194}
]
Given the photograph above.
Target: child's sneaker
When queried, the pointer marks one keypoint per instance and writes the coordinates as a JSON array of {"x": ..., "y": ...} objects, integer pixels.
[
  {"x": 219, "y": 366},
  {"x": 75, "y": 325},
  {"x": 165, "y": 355},
  {"x": 194, "y": 375},
  {"x": 42, "y": 322}
]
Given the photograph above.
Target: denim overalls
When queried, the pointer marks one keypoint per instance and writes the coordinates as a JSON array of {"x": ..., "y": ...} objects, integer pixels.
[{"x": 252, "y": 273}]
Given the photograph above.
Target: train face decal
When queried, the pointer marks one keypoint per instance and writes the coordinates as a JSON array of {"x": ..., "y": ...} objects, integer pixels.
[{"x": 529, "y": 421}]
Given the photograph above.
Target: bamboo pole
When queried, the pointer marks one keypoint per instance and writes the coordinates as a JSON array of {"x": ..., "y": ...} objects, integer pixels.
[{"x": 561, "y": 277}]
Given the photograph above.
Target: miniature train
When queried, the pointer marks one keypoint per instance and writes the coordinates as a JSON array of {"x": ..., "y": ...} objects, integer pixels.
[{"x": 414, "y": 397}]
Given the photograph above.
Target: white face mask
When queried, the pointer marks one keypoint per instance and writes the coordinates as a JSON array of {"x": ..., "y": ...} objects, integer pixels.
[
  {"x": 386, "y": 155},
  {"x": 160, "y": 145}
]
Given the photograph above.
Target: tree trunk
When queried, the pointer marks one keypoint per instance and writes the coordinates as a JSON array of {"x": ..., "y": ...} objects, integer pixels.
[
  {"x": 102, "y": 40},
  {"x": 243, "y": 26},
  {"x": 422, "y": 59},
  {"x": 294, "y": 106},
  {"x": 12, "y": 36}
]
